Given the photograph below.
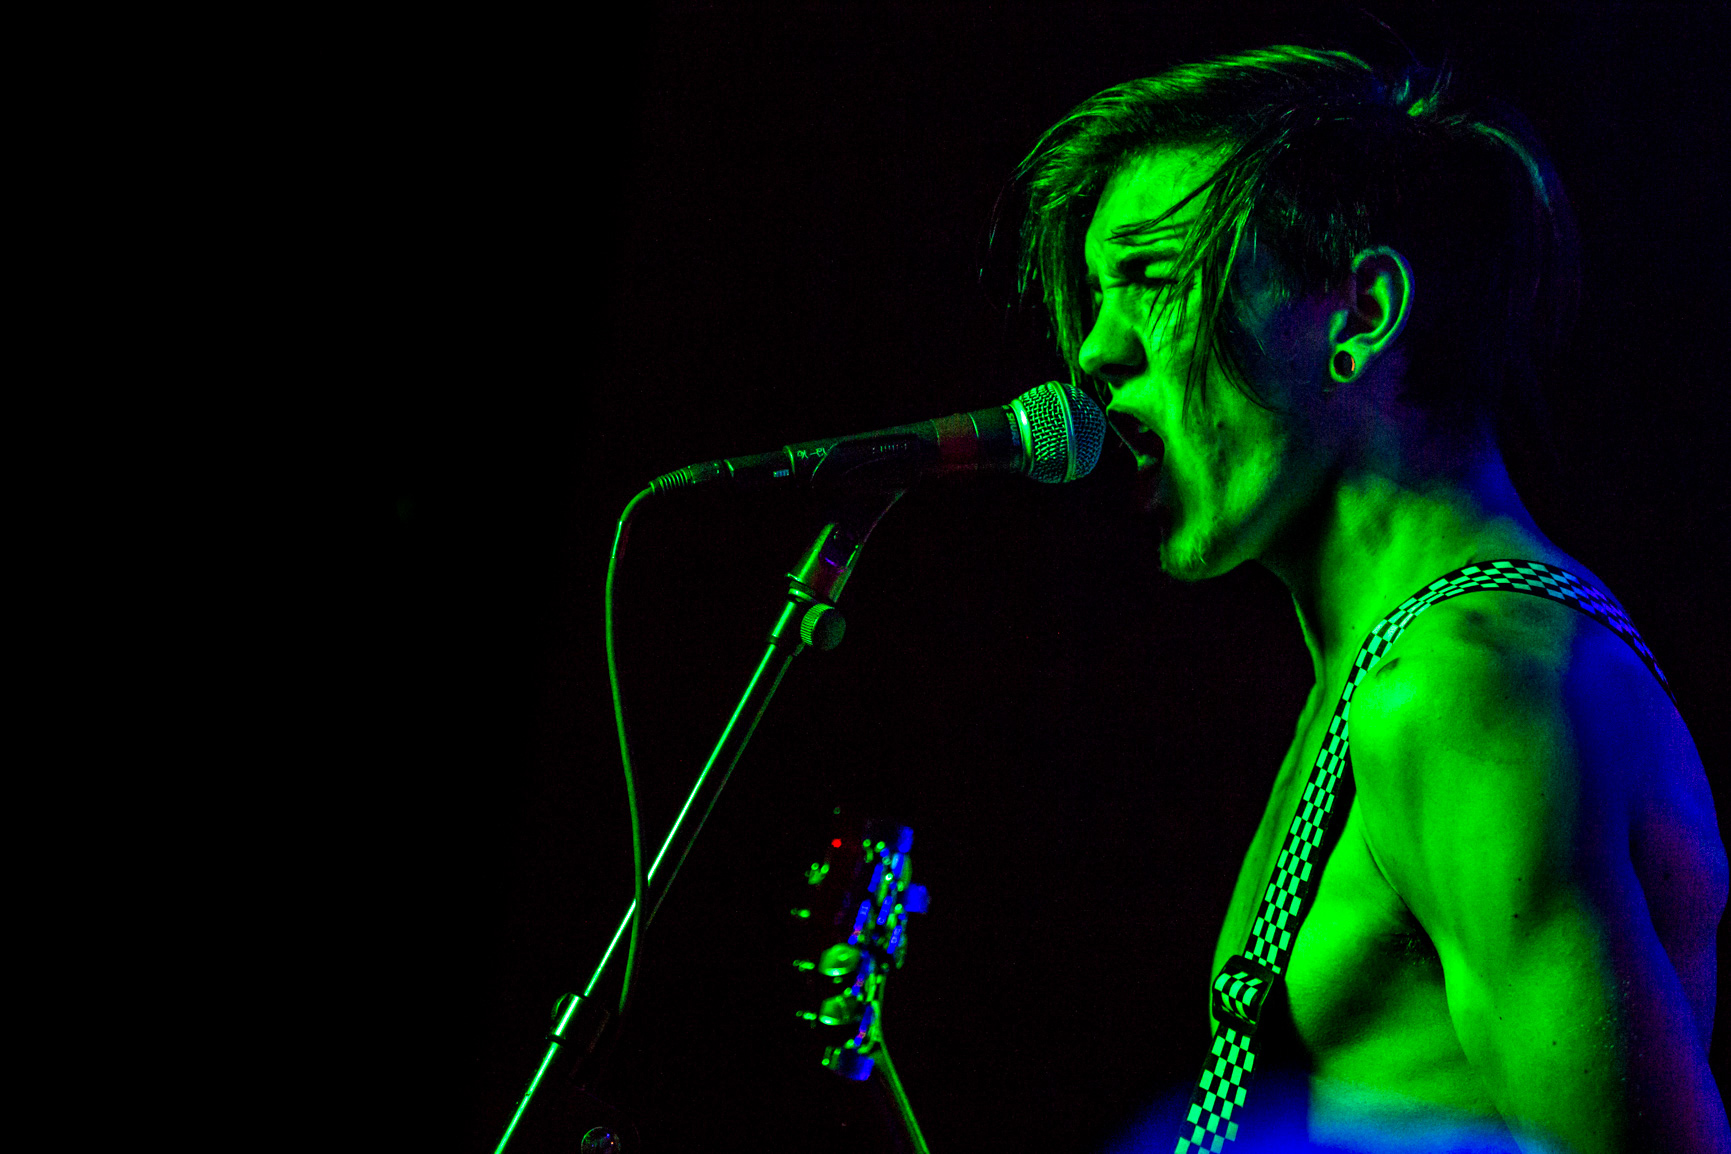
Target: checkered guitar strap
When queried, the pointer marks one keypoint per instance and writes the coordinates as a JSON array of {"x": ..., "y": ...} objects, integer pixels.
[{"x": 1242, "y": 986}]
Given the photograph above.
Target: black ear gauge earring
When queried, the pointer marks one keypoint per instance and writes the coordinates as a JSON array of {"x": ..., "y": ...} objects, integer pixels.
[{"x": 1342, "y": 366}]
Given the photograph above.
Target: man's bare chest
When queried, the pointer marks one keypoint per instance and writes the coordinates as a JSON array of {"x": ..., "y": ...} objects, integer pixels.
[{"x": 1362, "y": 971}]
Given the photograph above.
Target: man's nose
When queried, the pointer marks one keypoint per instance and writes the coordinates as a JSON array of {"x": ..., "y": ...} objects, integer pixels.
[{"x": 1112, "y": 351}]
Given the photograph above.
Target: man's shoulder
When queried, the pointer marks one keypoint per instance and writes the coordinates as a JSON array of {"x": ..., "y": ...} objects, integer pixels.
[
  {"x": 1510, "y": 686},
  {"x": 1487, "y": 653},
  {"x": 1474, "y": 762},
  {"x": 1501, "y": 679}
]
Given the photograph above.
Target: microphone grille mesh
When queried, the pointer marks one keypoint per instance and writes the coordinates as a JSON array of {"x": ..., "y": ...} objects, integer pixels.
[{"x": 1066, "y": 428}]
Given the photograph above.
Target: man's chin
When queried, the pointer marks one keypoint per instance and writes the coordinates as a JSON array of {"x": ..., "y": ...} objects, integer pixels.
[
  {"x": 1190, "y": 556},
  {"x": 1182, "y": 560}
]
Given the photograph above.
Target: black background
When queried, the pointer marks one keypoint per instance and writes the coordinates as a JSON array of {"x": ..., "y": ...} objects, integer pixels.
[{"x": 576, "y": 255}]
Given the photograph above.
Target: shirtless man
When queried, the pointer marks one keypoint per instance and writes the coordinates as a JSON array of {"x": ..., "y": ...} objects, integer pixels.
[{"x": 1285, "y": 277}]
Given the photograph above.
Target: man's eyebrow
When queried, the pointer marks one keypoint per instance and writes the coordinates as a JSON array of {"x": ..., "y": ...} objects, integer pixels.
[{"x": 1145, "y": 232}]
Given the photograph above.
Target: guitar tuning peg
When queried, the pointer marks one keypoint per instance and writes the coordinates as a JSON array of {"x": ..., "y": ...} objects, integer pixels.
[
  {"x": 848, "y": 1064},
  {"x": 839, "y": 961},
  {"x": 841, "y": 1010}
]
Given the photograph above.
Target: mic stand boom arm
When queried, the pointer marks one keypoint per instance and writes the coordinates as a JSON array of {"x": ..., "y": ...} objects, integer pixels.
[{"x": 809, "y": 618}]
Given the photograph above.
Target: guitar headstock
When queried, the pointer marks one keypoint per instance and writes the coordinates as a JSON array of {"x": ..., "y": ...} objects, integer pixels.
[{"x": 857, "y": 904}]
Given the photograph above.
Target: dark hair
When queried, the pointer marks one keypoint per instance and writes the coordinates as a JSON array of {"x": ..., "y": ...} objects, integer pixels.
[{"x": 1324, "y": 158}]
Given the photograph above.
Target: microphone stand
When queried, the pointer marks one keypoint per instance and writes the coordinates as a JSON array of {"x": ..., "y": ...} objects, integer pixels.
[{"x": 809, "y": 618}]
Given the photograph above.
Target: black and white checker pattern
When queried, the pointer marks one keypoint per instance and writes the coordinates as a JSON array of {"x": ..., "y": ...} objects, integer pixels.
[
  {"x": 1530, "y": 577},
  {"x": 1241, "y": 988},
  {"x": 1239, "y": 991}
]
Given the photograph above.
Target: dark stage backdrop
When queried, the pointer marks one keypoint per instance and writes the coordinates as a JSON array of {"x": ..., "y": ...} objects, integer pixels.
[{"x": 586, "y": 253}]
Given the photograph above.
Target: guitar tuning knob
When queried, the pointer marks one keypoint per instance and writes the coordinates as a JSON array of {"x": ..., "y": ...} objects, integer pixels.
[
  {"x": 839, "y": 961},
  {"x": 841, "y": 1010},
  {"x": 856, "y": 1067}
]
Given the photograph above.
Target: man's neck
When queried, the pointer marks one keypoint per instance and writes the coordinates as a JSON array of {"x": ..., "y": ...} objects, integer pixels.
[{"x": 1374, "y": 537}]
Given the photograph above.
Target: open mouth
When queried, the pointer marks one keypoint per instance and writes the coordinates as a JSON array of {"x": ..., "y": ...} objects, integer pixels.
[
  {"x": 1150, "y": 454},
  {"x": 1149, "y": 486}
]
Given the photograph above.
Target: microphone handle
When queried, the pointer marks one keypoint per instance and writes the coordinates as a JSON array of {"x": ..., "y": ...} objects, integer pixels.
[{"x": 984, "y": 440}]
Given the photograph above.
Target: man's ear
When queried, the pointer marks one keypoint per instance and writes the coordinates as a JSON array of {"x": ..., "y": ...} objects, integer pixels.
[{"x": 1381, "y": 300}]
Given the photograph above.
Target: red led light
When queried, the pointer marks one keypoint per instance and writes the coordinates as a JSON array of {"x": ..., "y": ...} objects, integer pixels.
[{"x": 836, "y": 842}]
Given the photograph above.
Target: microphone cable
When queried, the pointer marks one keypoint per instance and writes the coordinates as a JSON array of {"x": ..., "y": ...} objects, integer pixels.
[{"x": 637, "y": 879}]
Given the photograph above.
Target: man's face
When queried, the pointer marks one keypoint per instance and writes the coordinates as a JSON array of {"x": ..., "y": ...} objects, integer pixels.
[{"x": 1221, "y": 477}]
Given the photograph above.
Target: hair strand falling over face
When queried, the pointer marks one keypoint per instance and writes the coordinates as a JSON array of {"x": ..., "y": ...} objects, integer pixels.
[{"x": 1322, "y": 158}]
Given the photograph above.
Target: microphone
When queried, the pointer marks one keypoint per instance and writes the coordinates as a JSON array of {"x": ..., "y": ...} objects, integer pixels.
[{"x": 1051, "y": 433}]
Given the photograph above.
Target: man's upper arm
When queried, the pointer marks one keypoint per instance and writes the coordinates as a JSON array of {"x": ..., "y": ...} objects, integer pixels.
[
  {"x": 1508, "y": 842},
  {"x": 1472, "y": 790}
]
